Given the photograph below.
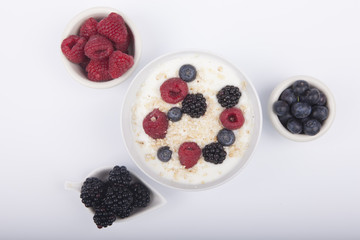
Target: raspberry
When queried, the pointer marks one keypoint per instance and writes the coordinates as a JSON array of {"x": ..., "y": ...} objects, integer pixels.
[
  {"x": 73, "y": 48},
  {"x": 232, "y": 118},
  {"x": 88, "y": 28},
  {"x": 98, "y": 70},
  {"x": 98, "y": 47},
  {"x": 173, "y": 90},
  {"x": 124, "y": 45},
  {"x": 114, "y": 28},
  {"x": 119, "y": 63},
  {"x": 155, "y": 124},
  {"x": 189, "y": 154}
]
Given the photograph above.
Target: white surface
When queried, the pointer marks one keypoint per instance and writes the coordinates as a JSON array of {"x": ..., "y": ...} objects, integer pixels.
[{"x": 53, "y": 128}]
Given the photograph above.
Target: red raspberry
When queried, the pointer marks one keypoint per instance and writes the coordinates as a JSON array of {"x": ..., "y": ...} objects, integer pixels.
[
  {"x": 156, "y": 124},
  {"x": 232, "y": 118},
  {"x": 123, "y": 46},
  {"x": 73, "y": 48},
  {"x": 173, "y": 90},
  {"x": 88, "y": 28},
  {"x": 98, "y": 70},
  {"x": 114, "y": 28},
  {"x": 119, "y": 63},
  {"x": 98, "y": 47},
  {"x": 189, "y": 154}
]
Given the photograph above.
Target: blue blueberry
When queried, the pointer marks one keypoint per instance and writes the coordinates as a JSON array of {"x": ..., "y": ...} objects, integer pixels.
[
  {"x": 280, "y": 107},
  {"x": 294, "y": 126},
  {"x": 164, "y": 154},
  {"x": 312, "y": 127},
  {"x": 300, "y": 86},
  {"x": 322, "y": 100},
  {"x": 311, "y": 96},
  {"x": 300, "y": 110},
  {"x": 187, "y": 72},
  {"x": 320, "y": 113},
  {"x": 226, "y": 137},
  {"x": 174, "y": 114},
  {"x": 288, "y": 96},
  {"x": 285, "y": 118}
]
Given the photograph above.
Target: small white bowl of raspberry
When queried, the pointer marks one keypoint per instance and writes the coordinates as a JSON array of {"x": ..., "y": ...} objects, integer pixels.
[{"x": 100, "y": 47}]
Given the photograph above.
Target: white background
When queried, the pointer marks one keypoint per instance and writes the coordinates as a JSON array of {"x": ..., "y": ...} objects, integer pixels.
[{"x": 54, "y": 129}]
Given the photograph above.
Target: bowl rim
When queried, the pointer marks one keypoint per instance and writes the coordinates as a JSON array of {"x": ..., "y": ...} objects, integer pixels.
[
  {"x": 256, "y": 104},
  {"x": 82, "y": 16},
  {"x": 275, "y": 94}
]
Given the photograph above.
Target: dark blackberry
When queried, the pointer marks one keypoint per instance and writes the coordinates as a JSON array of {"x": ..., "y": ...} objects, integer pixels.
[
  {"x": 92, "y": 192},
  {"x": 118, "y": 199},
  {"x": 141, "y": 194},
  {"x": 194, "y": 105},
  {"x": 103, "y": 216},
  {"x": 228, "y": 96},
  {"x": 214, "y": 153},
  {"x": 120, "y": 176}
]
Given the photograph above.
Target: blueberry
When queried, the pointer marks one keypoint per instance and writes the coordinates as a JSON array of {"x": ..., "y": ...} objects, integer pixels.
[
  {"x": 320, "y": 113},
  {"x": 226, "y": 137},
  {"x": 300, "y": 109},
  {"x": 280, "y": 107},
  {"x": 294, "y": 126},
  {"x": 312, "y": 127},
  {"x": 311, "y": 96},
  {"x": 285, "y": 118},
  {"x": 164, "y": 154},
  {"x": 187, "y": 72},
  {"x": 288, "y": 96},
  {"x": 322, "y": 99},
  {"x": 300, "y": 86},
  {"x": 174, "y": 114}
]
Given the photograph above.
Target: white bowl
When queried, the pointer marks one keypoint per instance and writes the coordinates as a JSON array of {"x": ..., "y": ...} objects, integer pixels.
[
  {"x": 73, "y": 29},
  {"x": 312, "y": 82},
  {"x": 136, "y": 153},
  {"x": 156, "y": 199}
]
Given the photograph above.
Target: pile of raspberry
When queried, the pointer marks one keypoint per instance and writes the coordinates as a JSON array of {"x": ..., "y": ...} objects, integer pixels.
[
  {"x": 101, "y": 48},
  {"x": 175, "y": 90}
]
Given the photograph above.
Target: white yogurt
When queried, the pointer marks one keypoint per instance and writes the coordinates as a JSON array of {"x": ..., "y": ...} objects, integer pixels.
[{"x": 212, "y": 75}]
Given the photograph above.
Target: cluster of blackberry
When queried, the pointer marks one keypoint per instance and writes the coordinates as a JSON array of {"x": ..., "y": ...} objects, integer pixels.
[{"x": 116, "y": 197}]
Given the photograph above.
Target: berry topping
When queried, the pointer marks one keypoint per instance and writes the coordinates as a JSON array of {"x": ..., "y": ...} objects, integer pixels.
[
  {"x": 98, "y": 47},
  {"x": 173, "y": 90},
  {"x": 187, "y": 72},
  {"x": 226, "y": 137},
  {"x": 119, "y": 63},
  {"x": 103, "y": 217},
  {"x": 214, "y": 153},
  {"x": 300, "y": 86},
  {"x": 288, "y": 96},
  {"x": 92, "y": 192},
  {"x": 311, "y": 96},
  {"x": 228, "y": 96},
  {"x": 120, "y": 176},
  {"x": 189, "y": 154},
  {"x": 174, "y": 114},
  {"x": 232, "y": 118},
  {"x": 98, "y": 70},
  {"x": 320, "y": 113},
  {"x": 114, "y": 28},
  {"x": 194, "y": 105},
  {"x": 73, "y": 48},
  {"x": 300, "y": 109},
  {"x": 88, "y": 28},
  {"x": 141, "y": 194},
  {"x": 281, "y": 107},
  {"x": 294, "y": 126},
  {"x": 164, "y": 154},
  {"x": 155, "y": 124},
  {"x": 312, "y": 127}
]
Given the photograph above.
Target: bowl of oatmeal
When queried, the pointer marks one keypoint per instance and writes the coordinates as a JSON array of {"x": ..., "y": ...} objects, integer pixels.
[{"x": 191, "y": 120}]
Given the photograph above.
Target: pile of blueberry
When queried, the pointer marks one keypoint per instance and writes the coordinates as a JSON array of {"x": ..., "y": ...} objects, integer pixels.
[{"x": 302, "y": 108}]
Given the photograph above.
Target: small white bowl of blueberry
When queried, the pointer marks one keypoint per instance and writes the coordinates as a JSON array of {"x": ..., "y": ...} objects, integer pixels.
[{"x": 301, "y": 108}]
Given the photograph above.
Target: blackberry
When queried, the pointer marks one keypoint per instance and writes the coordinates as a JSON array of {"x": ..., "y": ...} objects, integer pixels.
[
  {"x": 141, "y": 194},
  {"x": 194, "y": 105},
  {"x": 214, "y": 153},
  {"x": 92, "y": 192},
  {"x": 228, "y": 96},
  {"x": 120, "y": 176},
  {"x": 118, "y": 199},
  {"x": 103, "y": 216}
]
